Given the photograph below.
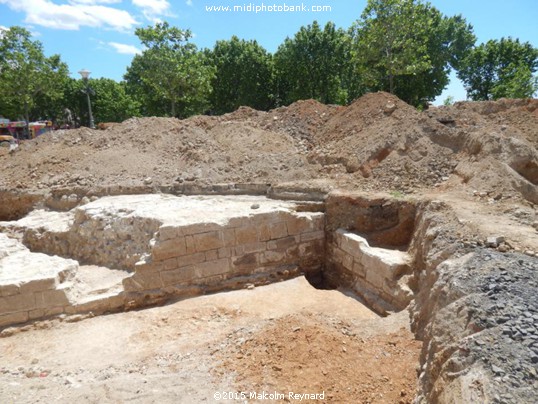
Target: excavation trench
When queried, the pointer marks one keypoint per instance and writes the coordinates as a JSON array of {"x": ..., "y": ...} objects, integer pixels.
[
  {"x": 131, "y": 251},
  {"x": 150, "y": 248}
]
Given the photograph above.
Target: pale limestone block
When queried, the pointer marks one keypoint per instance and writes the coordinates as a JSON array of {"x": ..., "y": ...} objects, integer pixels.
[
  {"x": 211, "y": 255},
  {"x": 169, "y": 248},
  {"x": 168, "y": 232},
  {"x": 283, "y": 244},
  {"x": 296, "y": 225},
  {"x": 272, "y": 257},
  {"x": 176, "y": 276},
  {"x": 264, "y": 233},
  {"x": 224, "y": 252},
  {"x": 358, "y": 268},
  {"x": 37, "y": 285},
  {"x": 245, "y": 235},
  {"x": 348, "y": 262},
  {"x": 208, "y": 241},
  {"x": 314, "y": 235},
  {"x": 169, "y": 264},
  {"x": 16, "y": 303},
  {"x": 143, "y": 281},
  {"x": 50, "y": 298},
  {"x": 197, "y": 228},
  {"x": 212, "y": 268},
  {"x": 36, "y": 313},
  {"x": 192, "y": 259},
  {"x": 228, "y": 237},
  {"x": 278, "y": 230},
  {"x": 9, "y": 290},
  {"x": 190, "y": 248},
  {"x": 13, "y": 318}
]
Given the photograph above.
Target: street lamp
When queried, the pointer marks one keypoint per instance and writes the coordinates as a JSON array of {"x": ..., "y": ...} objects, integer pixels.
[{"x": 85, "y": 74}]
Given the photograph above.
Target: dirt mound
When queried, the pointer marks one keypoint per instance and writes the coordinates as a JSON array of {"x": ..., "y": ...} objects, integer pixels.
[
  {"x": 298, "y": 354},
  {"x": 376, "y": 143}
]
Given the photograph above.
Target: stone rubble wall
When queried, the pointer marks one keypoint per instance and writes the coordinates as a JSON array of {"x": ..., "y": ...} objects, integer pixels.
[
  {"x": 208, "y": 254},
  {"x": 32, "y": 285},
  {"x": 379, "y": 276}
]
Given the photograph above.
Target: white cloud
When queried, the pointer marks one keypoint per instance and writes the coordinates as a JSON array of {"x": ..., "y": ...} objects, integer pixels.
[
  {"x": 152, "y": 9},
  {"x": 189, "y": 2},
  {"x": 72, "y": 16},
  {"x": 93, "y": 2},
  {"x": 125, "y": 49}
]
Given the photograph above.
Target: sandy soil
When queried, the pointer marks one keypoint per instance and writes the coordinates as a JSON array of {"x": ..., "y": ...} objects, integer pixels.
[{"x": 282, "y": 337}]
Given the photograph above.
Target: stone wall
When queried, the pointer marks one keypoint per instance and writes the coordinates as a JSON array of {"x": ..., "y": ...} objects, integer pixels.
[
  {"x": 206, "y": 254},
  {"x": 379, "y": 276}
]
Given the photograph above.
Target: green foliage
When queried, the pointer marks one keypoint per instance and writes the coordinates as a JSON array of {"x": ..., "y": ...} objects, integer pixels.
[
  {"x": 171, "y": 69},
  {"x": 498, "y": 69},
  {"x": 29, "y": 81},
  {"x": 448, "y": 101},
  {"x": 407, "y": 47},
  {"x": 243, "y": 76},
  {"x": 314, "y": 64}
]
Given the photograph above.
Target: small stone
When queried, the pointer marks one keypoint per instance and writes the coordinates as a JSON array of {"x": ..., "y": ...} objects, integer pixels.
[
  {"x": 255, "y": 206},
  {"x": 148, "y": 180},
  {"x": 503, "y": 248},
  {"x": 494, "y": 241},
  {"x": 497, "y": 370}
]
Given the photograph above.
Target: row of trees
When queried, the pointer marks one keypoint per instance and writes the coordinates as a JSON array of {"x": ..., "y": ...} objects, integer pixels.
[{"x": 405, "y": 47}]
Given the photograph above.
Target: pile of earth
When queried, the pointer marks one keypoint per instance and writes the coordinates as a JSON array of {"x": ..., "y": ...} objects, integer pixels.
[{"x": 376, "y": 143}]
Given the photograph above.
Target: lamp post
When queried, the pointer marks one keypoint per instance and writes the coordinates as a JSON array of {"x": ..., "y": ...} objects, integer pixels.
[{"x": 85, "y": 74}]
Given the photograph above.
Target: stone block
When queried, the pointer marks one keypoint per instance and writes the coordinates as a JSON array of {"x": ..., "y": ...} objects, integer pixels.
[
  {"x": 228, "y": 237},
  {"x": 170, "y": 264},
  {"x": 143, "y": 281},
  {"x": 246, "y": 235},
  {"x": 278, "y": 230},
  {"x": 176, "y": 276},
  {"x": 211, "y": 255},
  {"x": 169, "y": 249},
  {"x": 192, "y": 259},
  {"x": 38, "y": 285},
  {"x": 189, "y": 245},
  {"x": 198, "y": 228},
  {"x": 250, "y": 248},
  {"x": 313, "y": 235},
  {"x": 283, "y": 244},
  {"x": 264, "y": 233},
  {"x": 375, "y": 278},
  {"x": 212, "y": 268},
  {"x": 36, "y": 313},
  {"x": 13, "y": 318},
  {"x": 16, "y": 303},
  {"x": 208, "y": 241},
  {"x": 224, "y": 252},
  {"x": 50, "y": 298},
  {"x": 168, "y": 232},
  {"x": 297, "y": 225},
  {"x": 246, "y": 264},
  {"x": 359, "y": 269},
  {"x": 9, "y": 290},
  {"x": 272, "y": 257},
  {"x": 347, "y": 262}
]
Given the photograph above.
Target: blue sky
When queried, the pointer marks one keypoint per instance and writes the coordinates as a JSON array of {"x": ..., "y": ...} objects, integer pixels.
[{"x": 99, "y": 34}]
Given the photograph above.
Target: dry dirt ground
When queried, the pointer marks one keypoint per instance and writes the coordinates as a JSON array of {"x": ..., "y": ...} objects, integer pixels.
[{"x": 277, "y": 338}]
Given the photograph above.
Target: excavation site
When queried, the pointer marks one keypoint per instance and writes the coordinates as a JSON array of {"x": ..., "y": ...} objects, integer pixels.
[{"x": 362, "y": 254}]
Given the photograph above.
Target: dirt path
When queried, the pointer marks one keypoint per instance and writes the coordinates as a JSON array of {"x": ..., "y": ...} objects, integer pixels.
[{"x": 282, "y": 337}]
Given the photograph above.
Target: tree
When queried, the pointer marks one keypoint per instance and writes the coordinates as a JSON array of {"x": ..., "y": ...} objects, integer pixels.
[
  {"x": 28, "y": 80},
  {"x": 500, "y": 68},
  {"x": 243, "y": 76},
  {"x": 407, "y": 47},
  {"x": 313, "y": 64},
  {"x": 171, "y": 69}
]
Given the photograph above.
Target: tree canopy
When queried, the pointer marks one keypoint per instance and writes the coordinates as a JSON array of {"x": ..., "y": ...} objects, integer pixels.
[
  {"x": 408, "y": 47},
  {"x": 313, "y": 64},
  {"x": 173, "y": 69},
  {"x": 500, "y": 68},
  {"x": 28, "y": 79},
  {"x": 243, "y": 76}
]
